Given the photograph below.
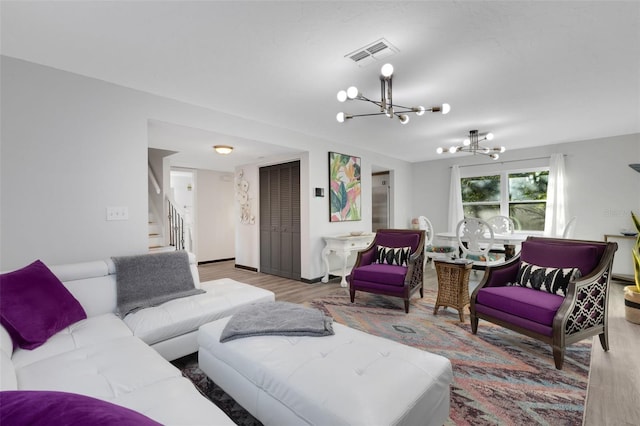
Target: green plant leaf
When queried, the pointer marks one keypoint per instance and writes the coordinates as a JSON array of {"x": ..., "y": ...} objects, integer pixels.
[{"x": 636, "y": 251}]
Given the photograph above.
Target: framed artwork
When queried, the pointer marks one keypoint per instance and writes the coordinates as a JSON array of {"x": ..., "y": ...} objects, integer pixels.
[{"x": 344, "y": 188}]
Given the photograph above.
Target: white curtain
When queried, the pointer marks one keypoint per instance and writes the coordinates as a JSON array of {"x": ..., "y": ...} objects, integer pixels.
[
  {"x": 456, "y": 213},
  {"x": 556, "y": 215}
]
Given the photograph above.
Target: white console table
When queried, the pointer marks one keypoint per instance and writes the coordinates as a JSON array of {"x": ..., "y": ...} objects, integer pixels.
[{"x": 343, "y": 246}]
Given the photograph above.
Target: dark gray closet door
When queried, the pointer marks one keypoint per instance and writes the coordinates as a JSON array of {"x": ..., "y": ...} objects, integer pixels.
[{"x": 280, "y": 220}]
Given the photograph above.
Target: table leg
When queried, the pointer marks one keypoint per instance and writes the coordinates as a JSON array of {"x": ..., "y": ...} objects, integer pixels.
[
  {"x": 509, "y": 251},
  {"x": 325, "y": 258},
  {"x": 343, "y": 255}
]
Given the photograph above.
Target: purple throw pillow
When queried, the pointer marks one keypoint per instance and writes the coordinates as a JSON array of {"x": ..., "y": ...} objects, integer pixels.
[
  {"x": 35, "y": 305},
  {"x": 61, "y": 408}
]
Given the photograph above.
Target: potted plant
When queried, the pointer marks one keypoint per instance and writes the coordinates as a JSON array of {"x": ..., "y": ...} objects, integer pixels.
[{"x": 632, "y": 292}]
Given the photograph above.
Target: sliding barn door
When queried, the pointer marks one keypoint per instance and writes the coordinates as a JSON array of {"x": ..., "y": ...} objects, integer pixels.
[{"x": 280, "y": 220}]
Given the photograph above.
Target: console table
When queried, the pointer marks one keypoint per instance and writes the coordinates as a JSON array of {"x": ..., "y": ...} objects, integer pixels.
[
  {"x": 623, "y": 260},
  {"x": 343, "y": 246}
]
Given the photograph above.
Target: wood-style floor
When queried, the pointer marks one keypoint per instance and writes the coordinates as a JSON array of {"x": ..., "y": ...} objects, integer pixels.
[{"x": 613, "y": 395}]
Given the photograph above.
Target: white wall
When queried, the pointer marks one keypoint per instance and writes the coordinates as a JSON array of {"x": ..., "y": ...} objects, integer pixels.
[
  {"x": 215, "y": 216},
  {"x": 314, "y": 166},
  {"x": 72, "y": 145},
  {"x": 602, "y": 188}
]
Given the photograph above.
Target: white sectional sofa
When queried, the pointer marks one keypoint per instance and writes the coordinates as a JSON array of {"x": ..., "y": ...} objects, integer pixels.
[{"x": 124, "y": 361}]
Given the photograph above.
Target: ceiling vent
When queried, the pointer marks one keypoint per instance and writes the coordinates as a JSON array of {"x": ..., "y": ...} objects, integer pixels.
[{"x": 372, "y": 52}]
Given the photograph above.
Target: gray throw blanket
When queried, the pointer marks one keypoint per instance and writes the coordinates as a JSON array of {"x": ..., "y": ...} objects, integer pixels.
[
  {"x": 278, "y": 318},
  {"x": 152, "y": 279}
]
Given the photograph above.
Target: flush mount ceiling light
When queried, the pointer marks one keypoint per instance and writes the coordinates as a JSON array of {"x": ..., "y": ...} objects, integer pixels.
[
  {"x": 223, "y": 149},
  {"x": 386, "y": 105},
  {"x": 472, "y": 145}
]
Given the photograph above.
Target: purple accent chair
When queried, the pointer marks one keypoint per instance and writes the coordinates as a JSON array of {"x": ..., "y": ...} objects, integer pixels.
[
  {"x": 554, "y": 319},
  {"x": 390, "y": 280}
]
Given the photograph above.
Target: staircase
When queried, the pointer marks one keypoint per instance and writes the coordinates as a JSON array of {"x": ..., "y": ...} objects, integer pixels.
[{"x": 156, "y": 237}]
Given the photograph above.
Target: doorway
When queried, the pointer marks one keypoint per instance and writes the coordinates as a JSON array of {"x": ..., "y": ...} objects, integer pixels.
[{"x": 380, "y": 203}]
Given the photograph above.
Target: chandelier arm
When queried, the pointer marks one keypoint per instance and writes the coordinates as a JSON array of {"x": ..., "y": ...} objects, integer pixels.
[
  {"x": 402, "y": 110},
  {"x": 367, "y": 115}
]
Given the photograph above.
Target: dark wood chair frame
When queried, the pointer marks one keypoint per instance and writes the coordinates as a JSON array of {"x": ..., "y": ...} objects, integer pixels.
[
  {"x": 567, "y": 330},
  {"x": 414, "y": 278}
]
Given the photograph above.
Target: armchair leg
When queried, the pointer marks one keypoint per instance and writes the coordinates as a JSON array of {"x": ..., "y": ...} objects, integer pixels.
[
  {"x": 604, "y": 340},
  {"x": 406, "y": 306},
  {"x": 352, "y": 294},
  {"x": 474, "y": 324},
  {"x": 558, "y": 357}
]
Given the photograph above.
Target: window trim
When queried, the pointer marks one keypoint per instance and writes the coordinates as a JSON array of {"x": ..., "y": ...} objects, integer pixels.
[{"x": 504, "y": 202}]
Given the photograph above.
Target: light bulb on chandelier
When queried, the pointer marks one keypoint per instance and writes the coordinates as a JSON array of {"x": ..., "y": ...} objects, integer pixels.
[
  {"x": 386, "y": 105},
  {"x": 472, "y": 145}
]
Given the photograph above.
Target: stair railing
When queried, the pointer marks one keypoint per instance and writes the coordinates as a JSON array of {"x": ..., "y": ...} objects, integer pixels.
[{"x": 176, "y": 226}]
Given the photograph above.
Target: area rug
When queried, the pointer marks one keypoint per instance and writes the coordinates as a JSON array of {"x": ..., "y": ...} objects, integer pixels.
[{"x": 500, "y": 377}]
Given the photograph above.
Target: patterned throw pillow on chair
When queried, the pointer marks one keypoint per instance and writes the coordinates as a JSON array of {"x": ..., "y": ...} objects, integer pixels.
[
  {"x": 393, "y": 255},
  {"x": 552, "y": 280}
]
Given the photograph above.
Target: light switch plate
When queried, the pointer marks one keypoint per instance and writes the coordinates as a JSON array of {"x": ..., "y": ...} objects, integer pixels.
[{"x": 117, "y": 213}]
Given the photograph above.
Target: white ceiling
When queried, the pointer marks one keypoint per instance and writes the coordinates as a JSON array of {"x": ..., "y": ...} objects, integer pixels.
[{"x": 531, "y": 72}]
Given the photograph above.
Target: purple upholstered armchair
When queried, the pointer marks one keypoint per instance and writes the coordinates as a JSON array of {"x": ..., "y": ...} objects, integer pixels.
[
  {"x": 392, "y": 265},
  {"x": 554, "y": 290}
]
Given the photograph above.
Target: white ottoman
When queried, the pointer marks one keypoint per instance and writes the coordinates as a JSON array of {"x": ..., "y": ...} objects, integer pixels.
[{"x": 350, "y": 378}]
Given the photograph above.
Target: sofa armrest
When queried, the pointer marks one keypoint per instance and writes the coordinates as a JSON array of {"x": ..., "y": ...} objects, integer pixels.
[
  {"x": 366, "y": 256},
  {"x": 586, "y": 304},
  {"x": 499, "y": 275}
]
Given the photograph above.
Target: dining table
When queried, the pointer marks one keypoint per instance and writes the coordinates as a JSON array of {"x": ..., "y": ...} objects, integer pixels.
[{"x": 509, "y": 240}]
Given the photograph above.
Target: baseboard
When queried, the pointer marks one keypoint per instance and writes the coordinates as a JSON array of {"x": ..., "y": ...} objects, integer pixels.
[
  {"x": 311, "y": 281},
  {"x": 215, "y": 261},
  {"x": 247, "y": 268}
]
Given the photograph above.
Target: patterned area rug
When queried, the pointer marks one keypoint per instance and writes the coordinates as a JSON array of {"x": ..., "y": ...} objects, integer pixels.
[{"x": 500, "y": 377}]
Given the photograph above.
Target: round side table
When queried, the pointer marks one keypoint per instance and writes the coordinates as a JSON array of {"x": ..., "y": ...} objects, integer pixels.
[{"x": 453, "y": 286}]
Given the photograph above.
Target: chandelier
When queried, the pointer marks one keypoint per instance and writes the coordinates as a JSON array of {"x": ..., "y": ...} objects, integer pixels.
[
  {"x": 387, "y": 107},
  {"x": 472, "y": 145}
]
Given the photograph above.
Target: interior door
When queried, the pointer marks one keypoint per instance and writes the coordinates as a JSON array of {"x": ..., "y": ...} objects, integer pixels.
[{"x": 280, "y": 220}]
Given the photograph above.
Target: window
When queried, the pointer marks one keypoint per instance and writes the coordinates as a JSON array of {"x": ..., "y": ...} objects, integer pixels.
[{"x": 520, "y": 195}]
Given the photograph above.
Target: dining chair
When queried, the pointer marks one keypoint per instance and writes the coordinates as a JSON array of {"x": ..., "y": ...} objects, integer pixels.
[
  {"x": 501, "y": 225},
  {"x": 432, "y": 251},
  {"x": 475, "y": 239}
]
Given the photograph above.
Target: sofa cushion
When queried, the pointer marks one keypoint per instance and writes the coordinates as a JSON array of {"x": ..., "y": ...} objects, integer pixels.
[
  {"x": 398, "y": 239},
  {"x": 35, "y": 305},
  {"x": 8, "y": 379},
  {"x": 180, "y": 316},
  {"x": 562, "y": 255},
  {"x": 534, "y": 305},
  {"x": 486, "y": 257},
  {"x": 105, "y": 370},
  {"x": 61, "y": 408},
  {"x": 380, "y": 273},
  {"x": 84, "y": 333},
  {"x": 439, "y": 249},
  {"x": 127, "y": 372},
  {"x": 552, "y": 280},
  {"x": 393, "y": 255}
]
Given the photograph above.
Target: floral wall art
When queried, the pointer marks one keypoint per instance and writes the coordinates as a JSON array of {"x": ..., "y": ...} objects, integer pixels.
[
  {"x": 344, "y": 187},
  {"x": 242, "y": 195}
]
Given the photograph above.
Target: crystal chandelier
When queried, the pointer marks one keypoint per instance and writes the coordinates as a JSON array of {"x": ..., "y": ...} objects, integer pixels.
[
  {"x": 386, "y": 105},
  {"x": 472, "y": 145}
]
